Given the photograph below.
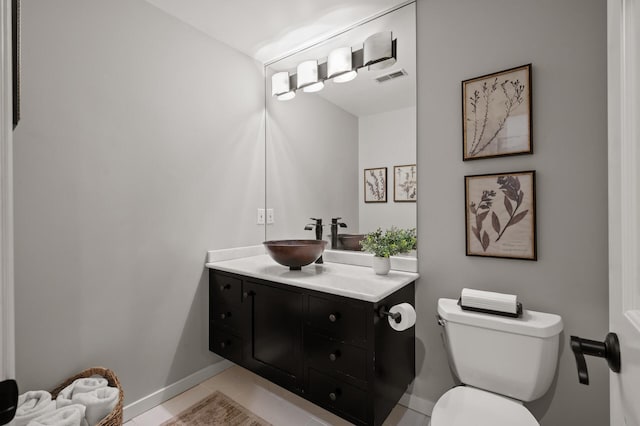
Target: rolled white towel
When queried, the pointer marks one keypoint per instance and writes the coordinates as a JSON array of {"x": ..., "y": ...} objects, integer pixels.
[
  {"x": 33, "y": 404},
  {"x": 78, "y": 386},
  {"x": 90, "y": 383},
  {"x": 489, "y": 300},
  {"x": 71, "y": 415},
  {"x": 99, "y": 403}
]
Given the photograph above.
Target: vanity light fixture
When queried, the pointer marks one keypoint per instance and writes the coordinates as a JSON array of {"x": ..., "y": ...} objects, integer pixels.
[
  {"x": 307, "y": 73},
  {"x": 286, "y": 96},
  {"x": 379, "y": 51},
  {"x": 281, "y": 87},
  {"x": 340, "y": 65}
]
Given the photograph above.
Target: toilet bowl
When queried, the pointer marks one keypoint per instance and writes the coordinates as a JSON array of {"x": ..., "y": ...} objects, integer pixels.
[
  {"x": 468, "y": 406},
  {"x": 502, "y": 362}
]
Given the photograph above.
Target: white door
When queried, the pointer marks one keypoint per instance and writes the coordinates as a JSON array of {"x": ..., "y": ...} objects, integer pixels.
[
  {"x": 624, "y": 204},
  {"x": 6, "y": 197}
]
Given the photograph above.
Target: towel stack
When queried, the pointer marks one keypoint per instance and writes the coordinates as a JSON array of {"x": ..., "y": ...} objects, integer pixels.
[
  {"x": 489, "y": 301},
  {"x": 85, "y": 402}
]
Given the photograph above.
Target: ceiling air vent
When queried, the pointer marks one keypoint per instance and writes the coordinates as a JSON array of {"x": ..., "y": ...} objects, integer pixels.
[{"x": 390, "y": 76}]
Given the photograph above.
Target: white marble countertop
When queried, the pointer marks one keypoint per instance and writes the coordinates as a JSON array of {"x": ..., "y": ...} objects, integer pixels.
[{"x": 357, "y": 282}]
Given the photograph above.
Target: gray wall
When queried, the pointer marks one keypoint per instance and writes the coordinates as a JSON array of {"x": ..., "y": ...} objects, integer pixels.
[
  {"x": 566, "y": 42},
  {"x": 140, "y": 148}
]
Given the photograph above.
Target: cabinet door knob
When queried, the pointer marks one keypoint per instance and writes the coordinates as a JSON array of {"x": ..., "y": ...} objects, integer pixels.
[
  {"x": 334, "y": 355},
  {"x": 225, "y": 315},
  {"x": 333, "y": 317},
  {"x": 225, "y": 287},
  {"x": 223, "y": 345},
  {"x": 247, "y": 294},
  {"x": 334, "y": 395}
]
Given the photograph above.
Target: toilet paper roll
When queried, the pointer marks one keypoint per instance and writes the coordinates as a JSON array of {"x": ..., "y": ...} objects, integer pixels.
[{"x": 407, "y": 316}]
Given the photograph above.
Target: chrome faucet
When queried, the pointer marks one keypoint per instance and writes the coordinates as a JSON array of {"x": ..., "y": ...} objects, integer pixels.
[
  {"x": 318, "y": 226},
  {"x": 334, "y": 231}
]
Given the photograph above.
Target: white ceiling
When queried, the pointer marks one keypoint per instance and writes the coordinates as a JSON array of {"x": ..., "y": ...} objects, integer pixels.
[{"x": 268, "y": 29}]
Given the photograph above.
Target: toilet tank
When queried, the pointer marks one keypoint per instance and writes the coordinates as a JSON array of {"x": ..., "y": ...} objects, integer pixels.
[{"x": 515, "y": 357}]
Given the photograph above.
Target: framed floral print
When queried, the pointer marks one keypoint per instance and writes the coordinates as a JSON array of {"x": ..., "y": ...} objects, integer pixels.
[
  {"x": 375, "y": 185},
  {"x": 500, "y": 215},
  {"x": 496, "y": 114},
  {"x": 15, "y": 59},
  {"x": 405, "y": 183}
]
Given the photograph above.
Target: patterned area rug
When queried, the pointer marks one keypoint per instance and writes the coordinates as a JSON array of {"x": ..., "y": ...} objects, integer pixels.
[{"x": 216, "y": 409}]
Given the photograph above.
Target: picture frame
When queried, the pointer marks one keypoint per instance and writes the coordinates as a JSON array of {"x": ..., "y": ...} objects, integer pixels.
[
  {"x": 15, "y": 58},
  {"x": 405, "y": 183},
  {"x": 375, "y": 185},
  {"x": 496, "y": 114},
  {"x": 500, "y": 215}
]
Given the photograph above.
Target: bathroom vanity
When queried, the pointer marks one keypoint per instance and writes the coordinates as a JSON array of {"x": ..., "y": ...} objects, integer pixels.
[{"x": 318, "y": 332}]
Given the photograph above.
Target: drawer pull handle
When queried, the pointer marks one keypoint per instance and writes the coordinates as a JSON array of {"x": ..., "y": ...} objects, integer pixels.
[
  {"x": 333, "y": 317},
  {"x": 224, "y": 287},
  {"x": 334, "y": 395},
  {"x": 226, "y": 344},
  {"x": 225, "y": 315},
  {"x": 334, "y": 355}
]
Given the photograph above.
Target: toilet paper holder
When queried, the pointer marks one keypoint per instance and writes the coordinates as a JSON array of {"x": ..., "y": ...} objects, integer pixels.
[{"x": 384, "y": 312}]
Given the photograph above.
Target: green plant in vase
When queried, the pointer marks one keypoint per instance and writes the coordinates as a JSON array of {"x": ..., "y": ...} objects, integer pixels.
[{"x": 388, "y": 243}]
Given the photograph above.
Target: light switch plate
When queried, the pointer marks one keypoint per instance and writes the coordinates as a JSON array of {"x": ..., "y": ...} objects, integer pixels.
[
  {"x": 270, "y": 217},
  {"x": 260, "y": 216}
]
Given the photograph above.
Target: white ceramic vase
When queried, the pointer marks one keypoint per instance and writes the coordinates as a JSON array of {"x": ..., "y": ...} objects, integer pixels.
[{"x": 381, "y": 265}]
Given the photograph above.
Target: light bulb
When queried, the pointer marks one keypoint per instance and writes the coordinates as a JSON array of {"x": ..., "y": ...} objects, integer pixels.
[{"x": 347, "y": 76}]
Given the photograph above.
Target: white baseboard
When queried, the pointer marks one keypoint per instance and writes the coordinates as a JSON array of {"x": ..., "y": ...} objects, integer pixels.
[
  {"x": 161, "y": 395},
  {"x": 418, "y": 404}
]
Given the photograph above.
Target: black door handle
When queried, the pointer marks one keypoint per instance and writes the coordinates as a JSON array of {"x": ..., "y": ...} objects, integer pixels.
[
  {"x": 609, "y": 350},
  {"x": 8, "y": 401}
]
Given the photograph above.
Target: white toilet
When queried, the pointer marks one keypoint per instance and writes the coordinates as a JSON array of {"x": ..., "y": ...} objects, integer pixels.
[{"x": 502, "y": 363}]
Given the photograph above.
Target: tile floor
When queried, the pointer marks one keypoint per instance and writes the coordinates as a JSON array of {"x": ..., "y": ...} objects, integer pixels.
[{"x": 271, "y": 402}]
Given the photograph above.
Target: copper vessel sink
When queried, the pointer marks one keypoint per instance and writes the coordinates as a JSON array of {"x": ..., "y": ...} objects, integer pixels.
[
  {"x": 350, "y": 241},
  {"x": 295, "y": 253}
]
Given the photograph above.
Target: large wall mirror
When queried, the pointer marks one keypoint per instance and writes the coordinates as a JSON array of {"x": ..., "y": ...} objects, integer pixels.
[{"x": 320, "y": 146}]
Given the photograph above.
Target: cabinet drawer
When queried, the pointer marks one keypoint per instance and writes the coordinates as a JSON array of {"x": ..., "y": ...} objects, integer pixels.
[
  {"x": 225, "y": 344},
  {"x": 332, "y": 355},
  {"x": 338, "y": 395},
  {"x": 338, "y": 319},
  {"x": 229, "y": 316},
  {"x": 225, "y": 289}
]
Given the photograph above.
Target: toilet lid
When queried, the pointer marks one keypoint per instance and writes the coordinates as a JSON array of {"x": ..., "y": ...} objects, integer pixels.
[{"x": 467, "y": 406}]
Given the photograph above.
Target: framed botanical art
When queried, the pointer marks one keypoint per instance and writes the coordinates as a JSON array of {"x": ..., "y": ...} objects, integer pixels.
[
  {"x": 405, "y": 183},
  {"x": 496, "y": 114},
  {"x": 375, "y": 185},
  {"x": 500, "y": 215},
  {"x": 15, "y": 58}
]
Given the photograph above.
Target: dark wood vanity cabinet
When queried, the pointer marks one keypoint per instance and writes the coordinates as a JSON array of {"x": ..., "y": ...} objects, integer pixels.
[
  {"x": 273, "y": 346},
  {"x": 335, "y": 351}
]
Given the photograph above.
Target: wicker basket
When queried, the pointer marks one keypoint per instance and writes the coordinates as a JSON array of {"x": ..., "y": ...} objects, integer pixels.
[{"x": 115, "y": 417}]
